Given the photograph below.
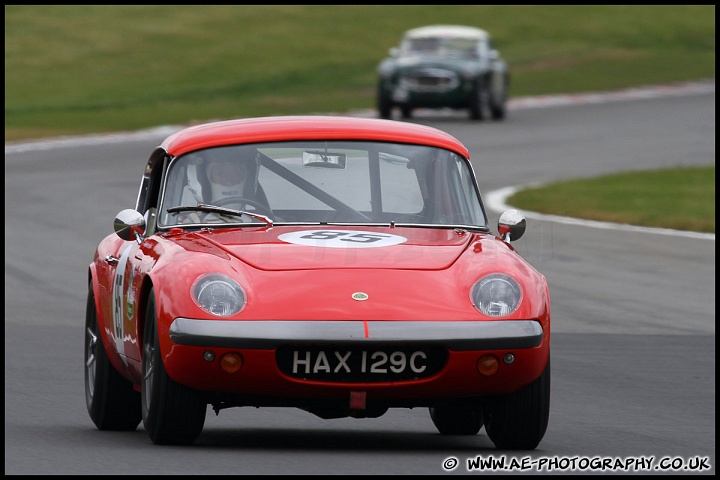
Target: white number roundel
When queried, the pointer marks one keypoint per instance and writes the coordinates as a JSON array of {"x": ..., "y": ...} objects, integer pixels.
[{"x": 342, "y": 238}]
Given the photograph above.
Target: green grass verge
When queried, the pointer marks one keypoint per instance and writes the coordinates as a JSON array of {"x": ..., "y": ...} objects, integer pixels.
[
  {"x": 679, "y": 198},
  {"x": 72, "y": 69}
]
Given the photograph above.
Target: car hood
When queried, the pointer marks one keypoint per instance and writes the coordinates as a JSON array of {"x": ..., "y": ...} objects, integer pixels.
[
  {"x": 405, "y": 273},
  {"x": 331, "y": 247}
]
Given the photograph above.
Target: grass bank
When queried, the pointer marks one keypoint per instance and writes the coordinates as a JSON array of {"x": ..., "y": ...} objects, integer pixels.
[
  {"x": 679, "y": 198},
  {"x": 74, "y": 69}
]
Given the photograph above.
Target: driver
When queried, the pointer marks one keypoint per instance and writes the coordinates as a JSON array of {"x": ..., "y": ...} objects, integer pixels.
[
  {"x": 230, "y": 182},
  {"x": 227, "y": 181}
]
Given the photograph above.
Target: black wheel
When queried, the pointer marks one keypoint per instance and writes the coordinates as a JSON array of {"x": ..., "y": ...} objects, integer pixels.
[
  {"x": 518, "y": 421},
  {"x": 111, "y": 401},
  {"x": 384, "y": 105},
  {"x": 498, "y": 103},
  {"x": 478, "y": 102},
  {"x": 457, "y": 419},
  {"x": 171, "y": 413},
  {"x": 406, "y": 112}
]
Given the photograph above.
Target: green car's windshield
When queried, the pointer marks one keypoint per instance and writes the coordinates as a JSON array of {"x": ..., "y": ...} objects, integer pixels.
[{"x": 440, "y": 46}]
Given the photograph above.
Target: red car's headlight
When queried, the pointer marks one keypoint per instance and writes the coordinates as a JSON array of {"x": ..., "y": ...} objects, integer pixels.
[
  {"x": 496, "y": 295},
  {"x": 218, "y": 294}
]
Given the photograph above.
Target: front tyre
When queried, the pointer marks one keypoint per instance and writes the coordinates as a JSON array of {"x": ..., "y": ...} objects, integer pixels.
[
  {"x": 171, "y": 413},
  {"x": 479, "y": 102},
  {"x": 457, "y": 419},
  {"x": 384, "y": 105},
  {"x": 112, "y": 402},
  {"x": 518, "y": 421},
  {"x": 498, "y": 103}
]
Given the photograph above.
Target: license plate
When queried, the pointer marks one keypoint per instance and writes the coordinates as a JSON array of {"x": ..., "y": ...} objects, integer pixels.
[{"x": 355, "y": 364}]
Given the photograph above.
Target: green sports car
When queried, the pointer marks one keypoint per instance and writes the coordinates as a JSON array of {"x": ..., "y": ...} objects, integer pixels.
[{"x": 444, "y": 66}]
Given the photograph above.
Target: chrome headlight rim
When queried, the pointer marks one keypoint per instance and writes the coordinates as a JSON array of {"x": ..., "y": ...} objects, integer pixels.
[
  {"x": 218, "y": 294},
  {"x": 496, "y": 295}
]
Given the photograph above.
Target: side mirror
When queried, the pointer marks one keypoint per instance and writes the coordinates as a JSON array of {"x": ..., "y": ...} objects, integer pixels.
[
  {"x": 511, "y": 225},
  {"x": 129, "y": 225}
]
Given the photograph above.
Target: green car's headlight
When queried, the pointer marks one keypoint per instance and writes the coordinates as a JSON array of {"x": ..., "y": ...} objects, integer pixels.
[
  {"x": 496, "y": 295},
  {"x": 218, "y": 294}
]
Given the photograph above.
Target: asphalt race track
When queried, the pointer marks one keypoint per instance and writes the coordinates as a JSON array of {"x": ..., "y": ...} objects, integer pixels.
[{"x": 633, "y": 340}]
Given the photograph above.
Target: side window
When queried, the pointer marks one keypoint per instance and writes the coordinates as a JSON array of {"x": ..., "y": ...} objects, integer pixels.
[
  {"x": 147, "y": 200},
  {"x": 151, "y": 181}
]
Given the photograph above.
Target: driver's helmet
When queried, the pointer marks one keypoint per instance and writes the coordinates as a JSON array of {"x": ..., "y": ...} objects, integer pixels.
[
  {"x": 226, "y": 179},
  {"x": 225, "y": 173}
]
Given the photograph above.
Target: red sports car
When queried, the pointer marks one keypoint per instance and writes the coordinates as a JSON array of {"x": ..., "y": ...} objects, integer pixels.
[{"x": 338, "y": 265}]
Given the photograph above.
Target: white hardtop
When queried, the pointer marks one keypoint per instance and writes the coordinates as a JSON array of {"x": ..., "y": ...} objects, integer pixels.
[{"x": 447, "y": 31}]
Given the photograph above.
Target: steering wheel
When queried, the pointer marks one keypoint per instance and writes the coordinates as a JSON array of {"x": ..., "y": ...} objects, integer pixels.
[{"x": 259, "y": 207}]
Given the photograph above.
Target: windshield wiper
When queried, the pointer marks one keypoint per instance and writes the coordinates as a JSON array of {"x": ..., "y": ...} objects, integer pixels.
[{"x": 220, "y": 211}]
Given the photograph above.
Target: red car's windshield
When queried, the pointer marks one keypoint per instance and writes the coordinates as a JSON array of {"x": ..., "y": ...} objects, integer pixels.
[{"x": 324, "y": 181}]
